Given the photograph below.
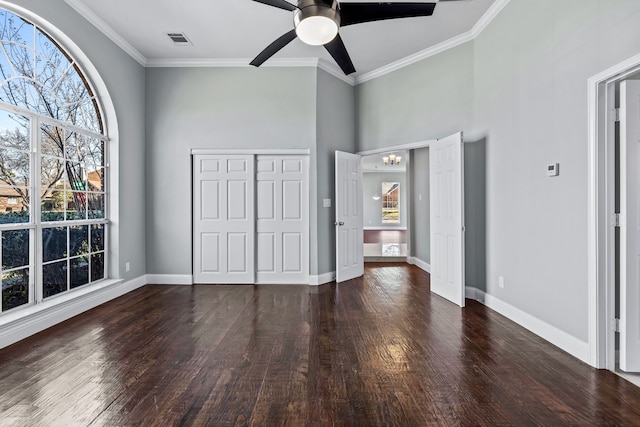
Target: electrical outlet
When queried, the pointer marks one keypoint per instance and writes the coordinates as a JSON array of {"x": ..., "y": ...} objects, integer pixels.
[
  {"x": 501, "y": 281},
  {"x": 127, "y": 266}
]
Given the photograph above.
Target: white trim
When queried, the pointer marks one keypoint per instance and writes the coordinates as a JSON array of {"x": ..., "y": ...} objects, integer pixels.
[
  {"x": 107, "y": 30},
  {"x": 252, "y": 151},
  {"x": 36, "y": 318},
  {"x": 488, "y": 17},
  {"x": 419, "y": 263},
  {"x": 229, "y": 62},
  {"x": 329, "y": 67},
  {"x": 572, "y": 345},
  {"x": 321, "y": 279},
  {"x": 169, "y": 279},
  {"x": 409, "y": 146},
  {"x": 458, "y": 40},
  {"x": 416, "y": 57},
  {"x": 333, "y": 69},
  {"x": 474, "y": 293},
  {"x": 600, "y": 286}
]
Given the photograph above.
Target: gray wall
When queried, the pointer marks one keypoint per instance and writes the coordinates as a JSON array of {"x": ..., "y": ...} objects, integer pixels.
[
  {"x": 335, "y": 131},
  {"x": 372, "y": 209},
  {"x": 125, "y": 82},
  {"x": 430, "y": 99},
  {"x": 528, "y": 92},
  {"x": 214, "y": 108},
  {"x": 420, "y": 205}
]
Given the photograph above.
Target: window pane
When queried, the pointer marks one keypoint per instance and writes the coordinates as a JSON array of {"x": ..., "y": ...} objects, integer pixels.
[
  {"x": 78, "y": 240},
  {"x": 48, "y": 69},
  {"x": 95, "y": 176},
  {"x": 13, "y": 208},
  {"x": 15, "y": 288},
  {"x": 75, "y": 147},
  {"x": 54, "y": 243},
  {"x": 77, "y": 207},
  {"x": 15, "y": 249},
  {"x": 52, "y": 140},
  {"x": 52, "y": 205},
  {"x": 14, "y": 167},
  {"x": 52, "y": 173},
  {"x": 97, "y": 267},
  {"x": 97, "y": 237},
  {"x": 14, "y": 131},
  {"x": 96, "y": 205},
  {"x": 54, "y": 278},
  {"x": 79, "y": 271}
]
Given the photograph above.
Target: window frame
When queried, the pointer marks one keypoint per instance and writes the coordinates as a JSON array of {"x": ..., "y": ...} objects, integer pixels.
[{"x": 36, "y": 225}]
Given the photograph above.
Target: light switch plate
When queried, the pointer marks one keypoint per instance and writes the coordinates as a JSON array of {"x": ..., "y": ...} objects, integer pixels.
[{"x": 326, "y": 203}]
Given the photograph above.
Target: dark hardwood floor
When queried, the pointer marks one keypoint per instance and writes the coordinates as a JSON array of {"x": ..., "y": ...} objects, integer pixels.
[{"x": 379, "y": 350}]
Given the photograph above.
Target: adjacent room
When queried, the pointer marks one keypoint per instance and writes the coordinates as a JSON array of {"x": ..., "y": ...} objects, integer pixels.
[{"x": 281, "y": 212}]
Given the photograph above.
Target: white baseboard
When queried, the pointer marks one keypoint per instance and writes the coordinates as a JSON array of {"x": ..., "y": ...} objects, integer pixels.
[
  {"x": 419, "y": 263},
  {"x": 555, "y": 336},
  {"x": 39, "y": 317},
  {"x": 169, "y": 279},
  {"x": 322, "y": 278}
]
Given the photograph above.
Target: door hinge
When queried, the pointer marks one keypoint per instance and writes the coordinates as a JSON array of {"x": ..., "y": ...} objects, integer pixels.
[
  {"x": 616, "y": 114},
  {"x": 617, "y": 220},
  {"x": 615, "y": 325}
]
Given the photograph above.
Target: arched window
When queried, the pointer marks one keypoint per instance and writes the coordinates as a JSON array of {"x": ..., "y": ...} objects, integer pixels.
[{"x": 53, "y": 165}]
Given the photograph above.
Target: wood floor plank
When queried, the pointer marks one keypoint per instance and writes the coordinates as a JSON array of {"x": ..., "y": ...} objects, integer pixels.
[{"x": 373, "y": 351}]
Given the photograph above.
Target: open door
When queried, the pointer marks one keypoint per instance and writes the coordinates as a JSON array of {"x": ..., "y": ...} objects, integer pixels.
[
  {"x": 629, "y": 226},
  {"x": 447, "y": 227},
  {"x": 349, "y": 237}
]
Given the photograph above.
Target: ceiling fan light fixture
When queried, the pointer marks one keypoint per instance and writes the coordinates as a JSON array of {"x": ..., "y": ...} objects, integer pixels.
[{"x": 316, "y": 23}]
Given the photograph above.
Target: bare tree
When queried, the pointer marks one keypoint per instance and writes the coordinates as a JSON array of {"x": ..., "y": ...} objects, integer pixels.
[{"x": 39, "y": 76}]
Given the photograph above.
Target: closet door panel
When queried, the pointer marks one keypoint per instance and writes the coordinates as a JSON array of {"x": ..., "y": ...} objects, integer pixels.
[{"x": 224, "y": 223}]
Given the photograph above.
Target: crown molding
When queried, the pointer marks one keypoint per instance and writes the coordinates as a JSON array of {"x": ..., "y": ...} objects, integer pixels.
[
  {"x": 417, "y": 57},
  {"x": 229, "y": 62},
  {"x": 335, "y": 71},
  {"x": 327, "y": 66},
  {"x": 107, "y": 30},
  {"x": 468, "y": 36}
]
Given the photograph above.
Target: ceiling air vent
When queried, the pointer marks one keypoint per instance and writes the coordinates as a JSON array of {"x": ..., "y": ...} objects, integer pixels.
[{"x": 179, "y": 39}]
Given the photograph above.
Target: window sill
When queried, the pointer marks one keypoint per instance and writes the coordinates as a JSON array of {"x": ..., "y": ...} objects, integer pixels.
[{"x": 21, "y": 313}]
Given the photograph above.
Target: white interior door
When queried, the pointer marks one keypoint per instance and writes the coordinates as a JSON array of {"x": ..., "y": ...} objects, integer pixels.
[
  {"x": 349, "y": 234},
  {"x": 447, "y": 227},
  {"x": 223, "y": 222},
  {"x": 282, "y": 219},
  {"x": 630, "y": 226}
]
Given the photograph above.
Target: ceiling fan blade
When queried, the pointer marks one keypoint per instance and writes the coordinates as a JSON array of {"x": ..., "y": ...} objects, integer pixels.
[
  {"x": 282, "y": 4},
  {"x": 339, "y": 53},
  {"x": 356, "y": 13},
  {"x": 274, "y": 47}
]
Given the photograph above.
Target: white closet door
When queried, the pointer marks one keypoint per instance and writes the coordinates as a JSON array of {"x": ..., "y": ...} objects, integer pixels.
[
  {"x": 282, "y": 219},
  {"x": 223, "y": 223}
]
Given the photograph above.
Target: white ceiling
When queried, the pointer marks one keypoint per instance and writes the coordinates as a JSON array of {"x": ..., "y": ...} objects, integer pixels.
[{"x": 233, "y": 32}]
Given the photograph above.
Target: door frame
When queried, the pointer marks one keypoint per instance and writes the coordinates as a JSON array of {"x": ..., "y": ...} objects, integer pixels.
[
  {"x": 406, "y": 147},
  {"x": 252, "y": 152},
  {"x": 601, "y": 193}
]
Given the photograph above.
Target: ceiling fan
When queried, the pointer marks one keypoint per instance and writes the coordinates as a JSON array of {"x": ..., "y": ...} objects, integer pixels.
[{"x": 316, "y": 22}]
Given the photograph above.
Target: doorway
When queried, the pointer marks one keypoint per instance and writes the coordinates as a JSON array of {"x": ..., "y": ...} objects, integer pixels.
[
  {"x": 385, "y": 206},
  {"x": 613, "y": 274}
]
